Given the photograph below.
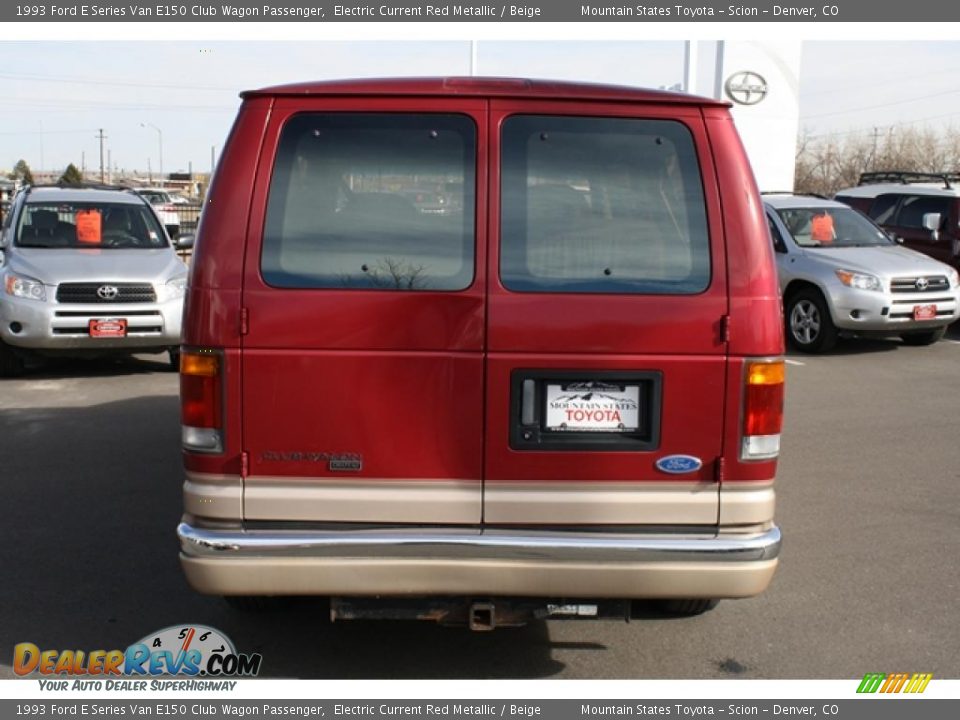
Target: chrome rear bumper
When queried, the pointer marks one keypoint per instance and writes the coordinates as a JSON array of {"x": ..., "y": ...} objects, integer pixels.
[
  {"x": 470, "y": 543},
  {"x": 475, "y": 562}
]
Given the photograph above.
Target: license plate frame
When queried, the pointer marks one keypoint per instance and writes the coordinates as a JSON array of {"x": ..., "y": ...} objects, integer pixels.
[
  {"x": 531, "y": 430},
  {"x": 592, "y": 406},
  {"x": 924, "y": 312},
  {"x": 107, "y": 327}
]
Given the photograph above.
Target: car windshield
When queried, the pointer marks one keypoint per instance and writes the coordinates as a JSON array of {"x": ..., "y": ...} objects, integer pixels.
[
  {"x": 831, "y": 227},
  {"x": 89, "y": 226}
]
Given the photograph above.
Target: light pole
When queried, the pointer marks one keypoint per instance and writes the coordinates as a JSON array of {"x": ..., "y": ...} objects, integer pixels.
[{"x": 160, "y": 141}]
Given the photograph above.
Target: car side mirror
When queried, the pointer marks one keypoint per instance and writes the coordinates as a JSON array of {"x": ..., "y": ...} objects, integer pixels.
[
  {"x": 185, "y": 242},
  {"x": 931, "y": 222}
]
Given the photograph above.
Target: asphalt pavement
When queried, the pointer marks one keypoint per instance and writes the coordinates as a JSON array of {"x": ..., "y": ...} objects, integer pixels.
[{"x": 868, "y": 500}]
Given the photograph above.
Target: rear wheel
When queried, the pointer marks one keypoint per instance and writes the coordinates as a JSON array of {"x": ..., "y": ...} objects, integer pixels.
[
  {"x": 810, "y": 328},
  {"x": 688, "y": 607},
  {"x": 11, "y": 364},
  {"x": 926, "y": 337}
]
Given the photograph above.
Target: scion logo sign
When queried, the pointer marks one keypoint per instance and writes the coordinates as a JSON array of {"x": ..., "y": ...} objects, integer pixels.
[
  {"x": 179, "y": 650},
  {"x": 746, "y": 88}
]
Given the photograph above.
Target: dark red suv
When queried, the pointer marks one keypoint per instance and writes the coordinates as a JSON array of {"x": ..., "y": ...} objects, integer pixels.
[{"x": 560, "y": 393}]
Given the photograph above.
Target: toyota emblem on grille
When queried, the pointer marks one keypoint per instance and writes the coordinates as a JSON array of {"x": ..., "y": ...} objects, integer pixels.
[
  {"x": 107, "y": 292},
  {"x": 922, "y": 284}
]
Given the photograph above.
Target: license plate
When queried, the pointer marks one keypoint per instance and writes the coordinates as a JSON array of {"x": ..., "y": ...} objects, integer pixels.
[
  {"x": 924, "y": 312},
  {"x": 593, "y": 407},
  {"x": 112, "y": 327}
]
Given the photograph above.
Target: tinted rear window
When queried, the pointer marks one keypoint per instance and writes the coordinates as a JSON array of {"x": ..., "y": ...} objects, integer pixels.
[
  {"x": 376, "y": 201},
  {"x": 602, "y": 205}
]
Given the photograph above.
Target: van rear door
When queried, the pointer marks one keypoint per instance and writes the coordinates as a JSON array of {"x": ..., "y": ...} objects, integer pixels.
[
  {"x": 606, "y": 359},
  {"x": 364, "y": 307}
]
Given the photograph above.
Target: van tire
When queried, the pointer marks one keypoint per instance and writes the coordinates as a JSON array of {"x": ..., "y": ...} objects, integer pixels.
[
  {"x": 11, "y": 364},
  {"x": 688, "y": 607},
  {"x": 925, "y": 337},
  {"x": 174, "y": 354},
  {"x": 809, "y": 327}
]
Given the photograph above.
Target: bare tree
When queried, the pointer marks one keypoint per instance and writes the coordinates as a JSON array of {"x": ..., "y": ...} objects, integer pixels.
[{"x": 828, "y": 163}]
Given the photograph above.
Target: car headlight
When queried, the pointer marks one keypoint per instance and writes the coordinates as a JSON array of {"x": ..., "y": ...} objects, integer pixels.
[
  {"x": 859, "y": 281},
  {"x": 25, "y": 287},
  {"x": 954, "y": 277},
  {"x": 177, "y": 287}
]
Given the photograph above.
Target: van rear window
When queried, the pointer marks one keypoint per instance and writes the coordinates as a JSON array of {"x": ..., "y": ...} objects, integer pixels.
[
  {"x": 372, "y": 201},
  {"x": 602, "y": 205}
]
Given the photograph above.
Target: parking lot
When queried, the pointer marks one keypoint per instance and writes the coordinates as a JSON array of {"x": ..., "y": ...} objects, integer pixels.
[{"x": 868, "y": 499}]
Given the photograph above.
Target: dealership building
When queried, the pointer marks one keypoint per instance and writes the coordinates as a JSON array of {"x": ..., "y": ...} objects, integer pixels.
[{"x": 761, "y": 80}]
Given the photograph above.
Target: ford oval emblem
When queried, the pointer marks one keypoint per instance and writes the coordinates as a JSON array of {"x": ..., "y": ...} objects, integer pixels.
[{"x": 679, "y": 464}]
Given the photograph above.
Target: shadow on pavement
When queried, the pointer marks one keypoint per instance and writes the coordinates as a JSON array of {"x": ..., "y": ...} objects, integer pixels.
[{"x": 89, "y": 558}]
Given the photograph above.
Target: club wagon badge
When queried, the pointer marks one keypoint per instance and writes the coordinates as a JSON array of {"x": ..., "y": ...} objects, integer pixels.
[{"x": 593, "y": 407}]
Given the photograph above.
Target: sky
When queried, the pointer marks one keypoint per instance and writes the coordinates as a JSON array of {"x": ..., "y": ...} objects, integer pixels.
[{"x": 56, "y": 96}]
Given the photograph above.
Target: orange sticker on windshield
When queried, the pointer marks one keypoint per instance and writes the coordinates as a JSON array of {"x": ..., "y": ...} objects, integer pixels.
[
  {"x": 821, "y": 228},
  {"x": 88, "y": 227}
]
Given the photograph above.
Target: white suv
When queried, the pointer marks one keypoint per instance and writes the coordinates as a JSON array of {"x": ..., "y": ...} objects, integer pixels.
[{"x": 840, "y": 273}]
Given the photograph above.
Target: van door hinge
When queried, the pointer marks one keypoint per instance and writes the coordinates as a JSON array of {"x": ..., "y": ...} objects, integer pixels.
[
  {"x": 719, "y": 470},
  {"x": 244, "y": 321},
  {"x": 724, "y": 328},
  {"x": 244, "y": 464}
]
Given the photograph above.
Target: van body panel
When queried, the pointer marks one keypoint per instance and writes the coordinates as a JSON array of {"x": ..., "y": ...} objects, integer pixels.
[
  {"x": 679, "y": 337},
  {"x": 754, "y": 330},
  {"x": 218, "y": 256},
  {"x": 561, "y": 502},
  {"x": 348, "y": 500},
  {"x": 372, "y": 384},
  {"x": 392, "y": 577},
  {"x": 399, "y": 414}
]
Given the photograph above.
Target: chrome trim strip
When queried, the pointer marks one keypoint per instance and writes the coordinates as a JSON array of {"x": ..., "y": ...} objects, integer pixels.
[{"x": 476, "y": 543}]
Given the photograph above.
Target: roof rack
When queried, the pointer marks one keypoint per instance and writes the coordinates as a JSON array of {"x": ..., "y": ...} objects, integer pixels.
[
  {"x": 793, "y": 192},
  {"x": 905, "y": 177}
]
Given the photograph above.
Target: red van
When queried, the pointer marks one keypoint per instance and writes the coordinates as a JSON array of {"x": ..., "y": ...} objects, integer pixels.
[{"x": 551, "y": 385}]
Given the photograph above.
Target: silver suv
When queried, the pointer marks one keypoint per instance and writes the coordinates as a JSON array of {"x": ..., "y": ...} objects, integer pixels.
[
  {"x": 87, "y": 271},
  {"x": 840, "y": 273}
]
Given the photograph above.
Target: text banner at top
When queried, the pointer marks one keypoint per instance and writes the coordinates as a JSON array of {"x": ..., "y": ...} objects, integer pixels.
[{"x": 320, "y": 11}]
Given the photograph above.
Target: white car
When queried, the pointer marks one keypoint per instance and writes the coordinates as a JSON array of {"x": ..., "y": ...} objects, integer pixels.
[
  {"x": 165, "y": 207},
  {"x": 841, "y": 274}
]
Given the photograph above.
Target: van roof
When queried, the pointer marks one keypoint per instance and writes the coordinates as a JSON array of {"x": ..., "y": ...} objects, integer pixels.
[
  {"x": 487, "y": 87},
  {"x": 872, "y": 191}
]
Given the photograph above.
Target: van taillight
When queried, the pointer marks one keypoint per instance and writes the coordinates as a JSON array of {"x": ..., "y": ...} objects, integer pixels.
[
  {"x": 762, "y": 409},
  {"x": 201, "y": 401}
]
